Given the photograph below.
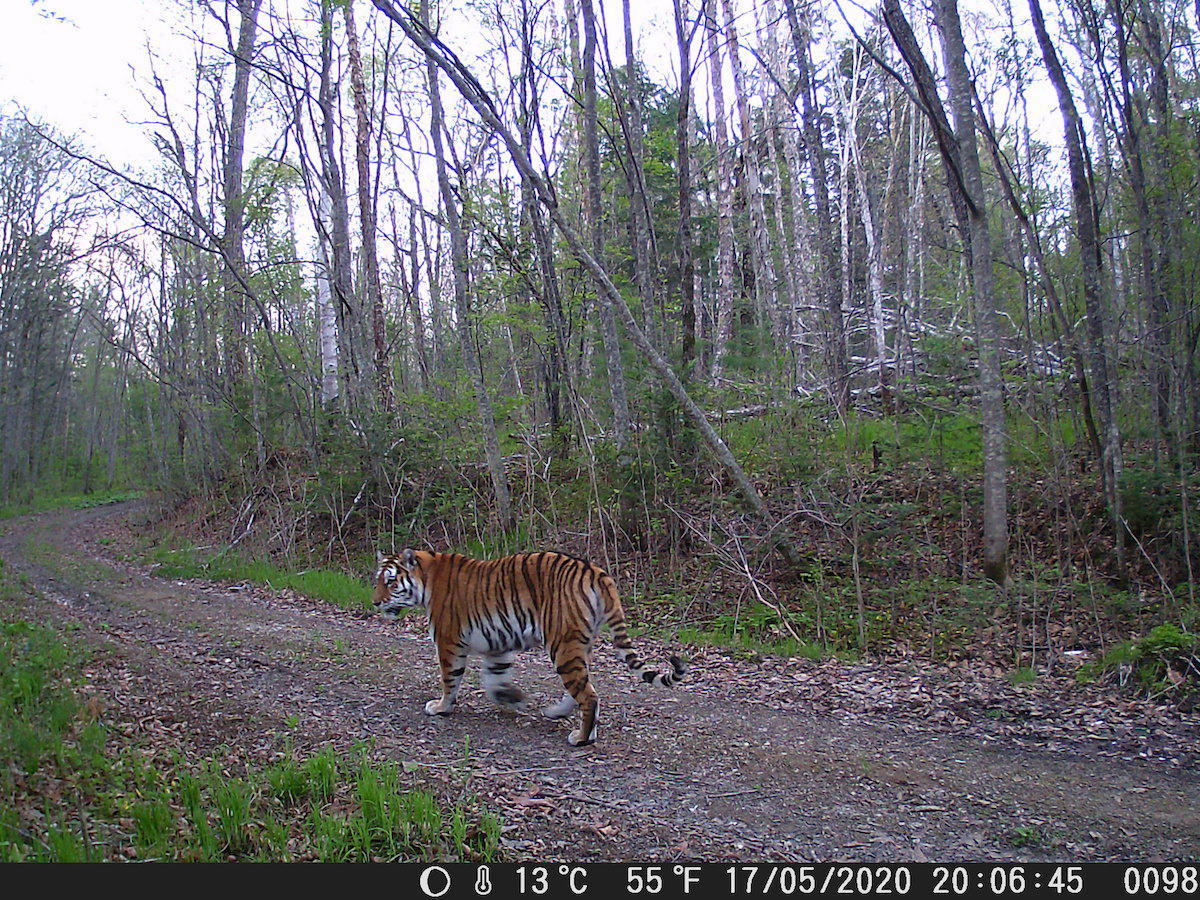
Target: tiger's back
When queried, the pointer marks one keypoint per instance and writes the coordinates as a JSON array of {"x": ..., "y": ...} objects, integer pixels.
[{"x": 494, "y": 608}]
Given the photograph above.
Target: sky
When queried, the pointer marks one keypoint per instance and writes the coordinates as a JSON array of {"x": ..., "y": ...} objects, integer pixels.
[
  {"x": 68, "y": 63},
  {"x": 77, "y": 64}
]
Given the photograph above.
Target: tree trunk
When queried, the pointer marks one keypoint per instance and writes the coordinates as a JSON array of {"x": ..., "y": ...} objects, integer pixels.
[
  {"x": 723, "y": 331},
  {"x": 475, "y": 94},
  {"x": 766, "y": 283},
  {"x": 608, "y": 325},
  {"x": 645, "y": 261},
  {"x": 234, "y": 198},
  {"x": 960, "y": 157},
  {"x": 683, "y": 145},
  {"x": 462, "y": 304},
  {"x": 554, "y": 368},
  {"x": 1087, "y": 233},
  {"x": 829, "y": 277},
  {"x": 867, "y": 214},
  {"x": 367, "y": 217},
  {"x": 341, "y": 272},
  {"x": 237, "y": 356},
  {"x": 326, "y": 315},
  {"x": 991, "y": 385}
]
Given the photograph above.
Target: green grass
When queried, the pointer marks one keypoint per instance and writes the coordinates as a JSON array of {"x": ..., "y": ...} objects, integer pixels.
[
  {"x": 37, "y": 711},
  {"x": 1023, "y": 675},
  {"x": 756, "y": 631},
  {"x": 321, "y": 584},
  {"x": 47, "y": 502},
  {"x": 1163, "y": 662},
  {"x": 73, "y": 788}
]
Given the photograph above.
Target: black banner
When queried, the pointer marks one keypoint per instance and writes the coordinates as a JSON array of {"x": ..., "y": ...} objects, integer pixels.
[{"x": 653, "y": 881}]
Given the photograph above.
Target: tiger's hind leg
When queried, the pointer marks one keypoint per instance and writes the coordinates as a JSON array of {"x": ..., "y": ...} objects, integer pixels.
[
  {"x": 562, "y": 708},
  {"x": 497, "y": 668},
  {"x": 571, "y": 663}
]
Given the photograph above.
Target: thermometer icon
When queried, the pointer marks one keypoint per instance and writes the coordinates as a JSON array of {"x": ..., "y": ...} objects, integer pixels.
[{"x": 483, "y": 881}]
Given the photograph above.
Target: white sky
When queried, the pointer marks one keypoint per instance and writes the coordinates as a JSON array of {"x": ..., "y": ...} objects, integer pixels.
[
  {"x": 77, "y": 64},
  {"x": 68, "y": 63}
]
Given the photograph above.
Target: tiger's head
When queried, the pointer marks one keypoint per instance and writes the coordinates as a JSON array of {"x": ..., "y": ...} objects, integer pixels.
[{"x": 398, "y": 586}]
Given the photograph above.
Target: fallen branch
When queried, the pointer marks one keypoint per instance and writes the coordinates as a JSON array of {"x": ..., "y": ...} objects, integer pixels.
[{"x": 477, "y": 96}]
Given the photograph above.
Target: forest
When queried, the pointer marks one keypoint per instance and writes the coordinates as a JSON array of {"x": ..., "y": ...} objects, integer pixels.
[{"x": 827, "y": 328}]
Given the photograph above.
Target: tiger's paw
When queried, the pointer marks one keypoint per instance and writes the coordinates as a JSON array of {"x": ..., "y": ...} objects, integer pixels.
[
  {"x": 438, "y": 708},
  {"x": 576, "y": 738},
  {"x": 510, "y": 697},
  {"x": 561, "y": 709}
]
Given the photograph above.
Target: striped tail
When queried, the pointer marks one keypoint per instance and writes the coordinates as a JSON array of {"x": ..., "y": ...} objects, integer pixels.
[{"x": 620, "y": 638}]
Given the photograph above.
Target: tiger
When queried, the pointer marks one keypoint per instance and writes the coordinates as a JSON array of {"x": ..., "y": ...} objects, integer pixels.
[{"x": 495, "y": 608}]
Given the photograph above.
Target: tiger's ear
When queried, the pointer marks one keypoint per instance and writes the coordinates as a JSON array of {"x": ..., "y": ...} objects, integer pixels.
[
  {"x": 379, "y": 557},
  {"x": 410, "y": 558}
]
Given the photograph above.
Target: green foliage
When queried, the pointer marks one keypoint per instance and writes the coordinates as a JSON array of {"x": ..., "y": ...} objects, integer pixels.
[
  {"x": 1164, "y": 661},
  {"x": 44, "y": 502},
  {"x": 154, "y": 826},
  {"x": 328, "y": 806},
  {"x": 1023, "y": 675},
  {"x": 1027, "y": 836},
  {"x": 342, "y": 590},
  {"x": 1155, "y": 501},
  {"x": 756, "y": 630},
  {"x": 37, "y": 711},
  {"x": 490, "y": 546},
  {"x": 232, "y": 802}
]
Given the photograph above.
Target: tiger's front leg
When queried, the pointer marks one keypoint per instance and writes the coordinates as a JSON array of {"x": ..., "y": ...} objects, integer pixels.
[
  {"x": 497, "y": 681},
  {"x": 453, "y": 663}
]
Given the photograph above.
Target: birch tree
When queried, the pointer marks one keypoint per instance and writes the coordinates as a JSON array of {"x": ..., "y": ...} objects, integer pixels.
[
  {"x": 766, "y": 283},
  {"x": 725, "y": 281},
  {"x": 442, "y": 58},
  {"x": 829, "y": 273}
]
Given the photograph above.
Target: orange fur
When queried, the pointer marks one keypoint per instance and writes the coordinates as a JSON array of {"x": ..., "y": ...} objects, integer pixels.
[{"x": 494, "y": 608}]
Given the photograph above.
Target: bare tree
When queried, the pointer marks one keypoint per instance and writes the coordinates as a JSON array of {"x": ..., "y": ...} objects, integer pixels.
[
  {"x": 474, "y": 93},
  {"x": 829, "y": 276},
  {"x": 766, "y": 281},
  {"x": 366, "y": 214},
  {"x": 462, "y": 304},
  {"x": 608, "y": 325},
  {"x": 684, "y": 33},
  {"x": 1087, "y": 233},
  {"x": 725, "y": 285},
  {"x": 960, "y": 158}
]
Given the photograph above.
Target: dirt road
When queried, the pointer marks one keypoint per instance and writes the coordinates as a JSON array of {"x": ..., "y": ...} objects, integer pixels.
[{"x": 750, "y": 761}]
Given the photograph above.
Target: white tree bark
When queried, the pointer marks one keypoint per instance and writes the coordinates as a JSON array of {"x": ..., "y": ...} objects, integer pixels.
[
  {"x": 326, "y": 316},
  {"x": 725, "y": 287},
  {"x": 766, "y": 285},
  {"x": 478, "y": 97}
]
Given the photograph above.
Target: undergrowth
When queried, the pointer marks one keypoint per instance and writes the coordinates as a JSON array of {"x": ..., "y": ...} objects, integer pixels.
[
  {"x": 338, "y": 588},
  {"x": 75, "y": 788},
  {"x": 1163, "y": 663},
  {"x": 884, "y": 508}
]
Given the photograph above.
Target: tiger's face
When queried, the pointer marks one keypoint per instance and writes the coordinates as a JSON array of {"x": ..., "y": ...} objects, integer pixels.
[{"x": 396, "y": 586}]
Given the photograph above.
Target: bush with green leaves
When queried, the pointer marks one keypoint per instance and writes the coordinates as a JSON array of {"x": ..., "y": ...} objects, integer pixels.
[{"x": 1166, "y": 662}]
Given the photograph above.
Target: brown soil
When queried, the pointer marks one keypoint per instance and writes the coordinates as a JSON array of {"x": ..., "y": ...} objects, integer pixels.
[{"x": 746, "y": 760}]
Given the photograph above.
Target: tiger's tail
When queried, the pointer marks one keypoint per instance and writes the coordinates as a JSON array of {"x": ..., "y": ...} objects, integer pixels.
[{"x": 615, "y": 619}]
